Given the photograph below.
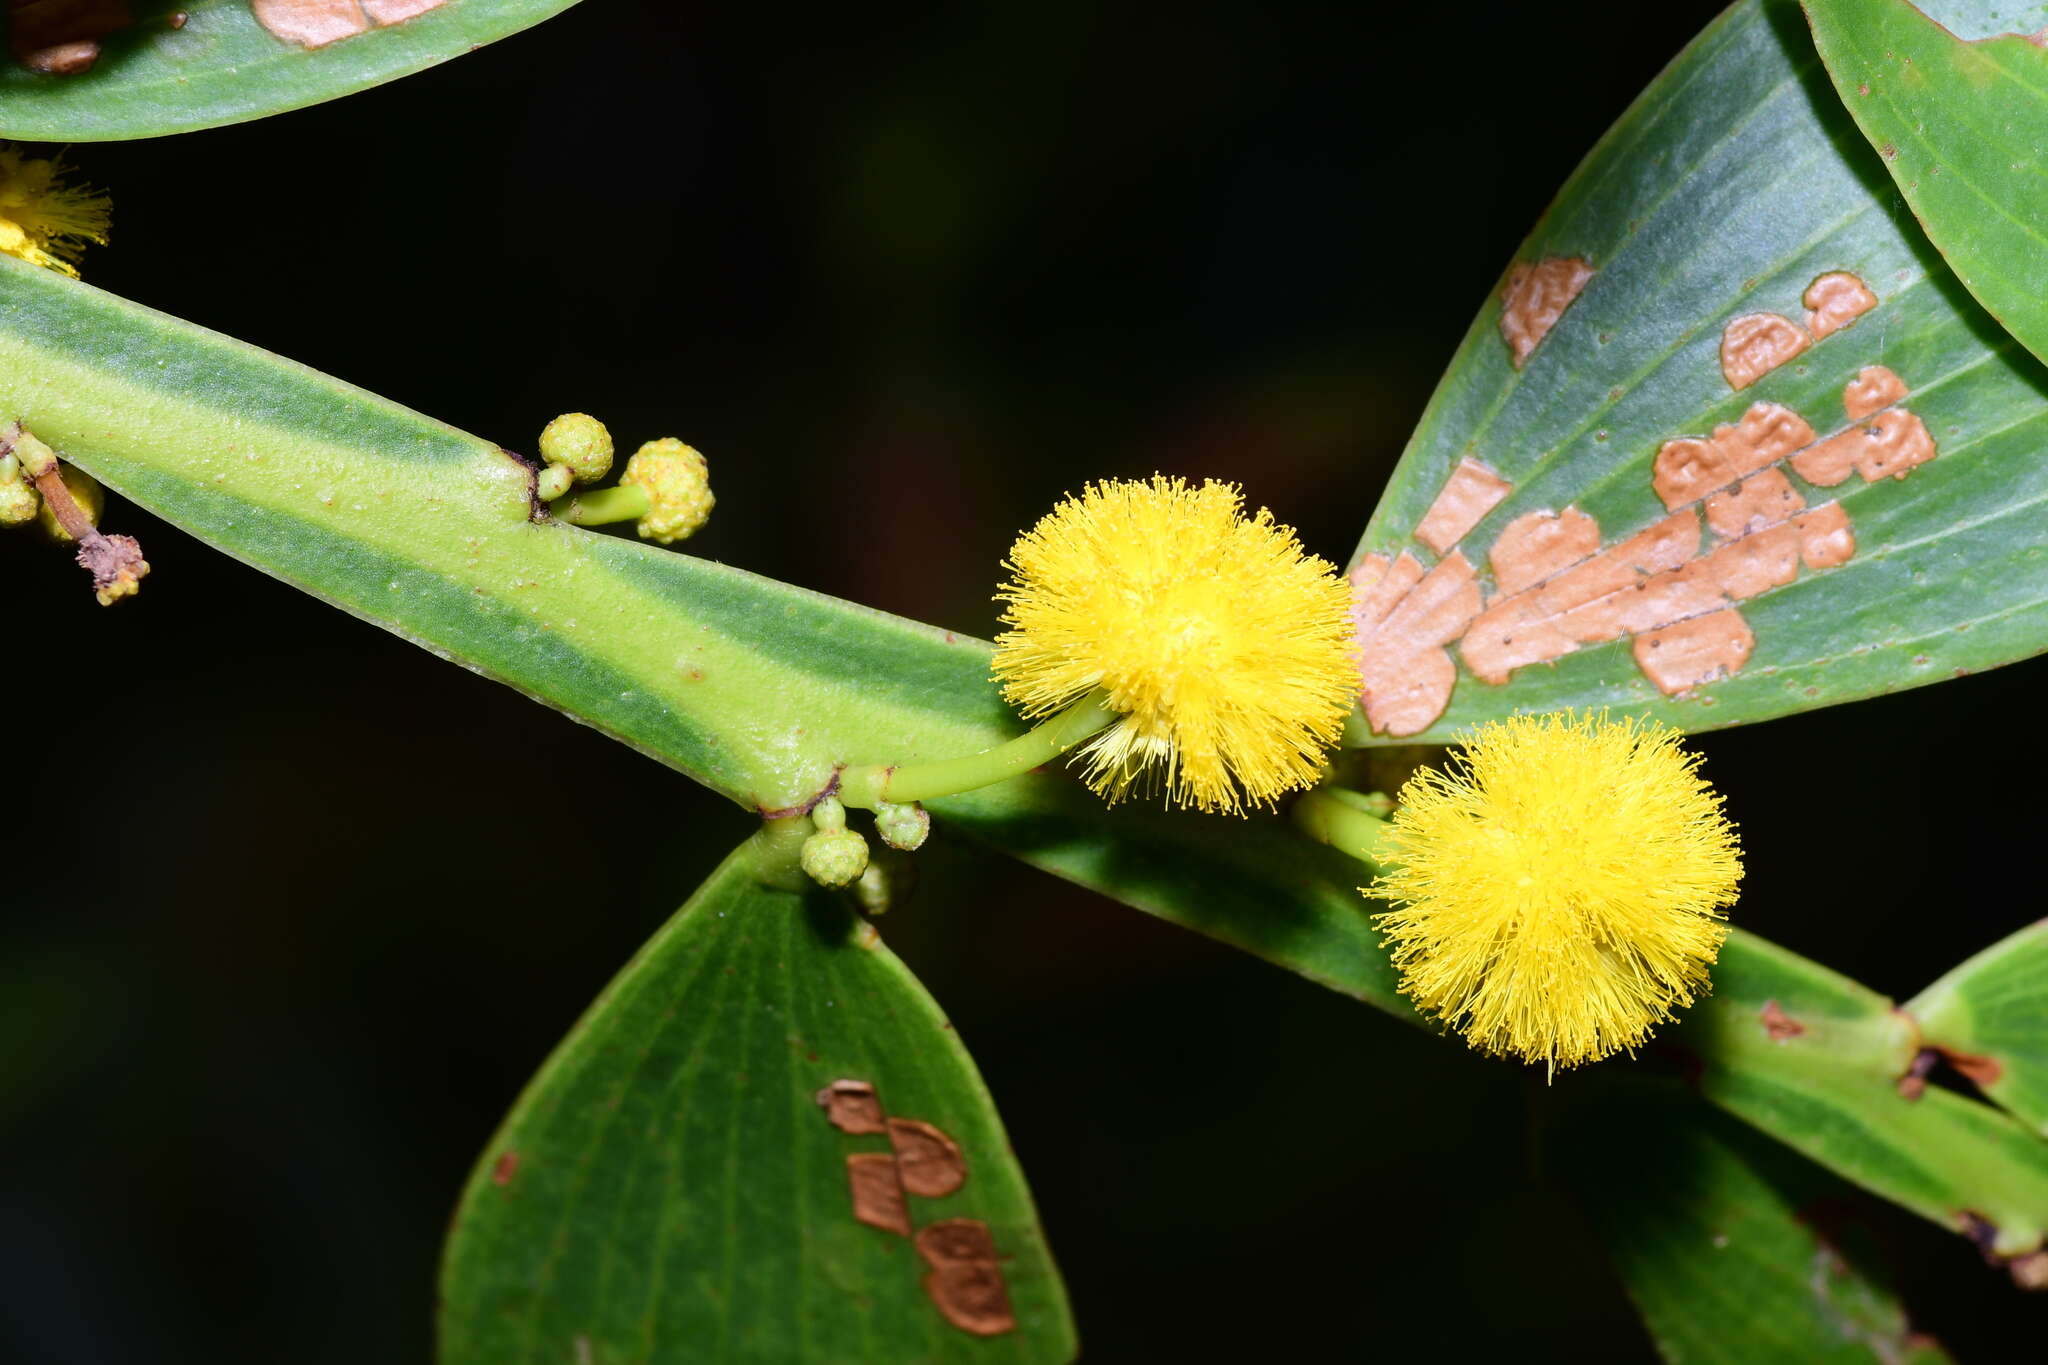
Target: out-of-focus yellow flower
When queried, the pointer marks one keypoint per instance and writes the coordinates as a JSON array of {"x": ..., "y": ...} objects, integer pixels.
[
  {"x": 43, "y": 220},
  {"x": 1563, "y": 891},
  {"x": 1224, "y": 649}
]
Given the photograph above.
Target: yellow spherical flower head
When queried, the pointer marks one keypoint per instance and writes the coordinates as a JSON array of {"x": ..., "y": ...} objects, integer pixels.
[
  {"x": 1225, "y": 650},
  {"x": 43, "y": 220},
  {"x": 1563, "y": 891}
]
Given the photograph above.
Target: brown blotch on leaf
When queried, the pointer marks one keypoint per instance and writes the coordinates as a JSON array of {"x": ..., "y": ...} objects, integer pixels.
[
  {"x": 1755, "y": 344},
  {"x": 1873, "y": 389},
  {"x": 1405, "y": 673},
  {"x": 1540, "y": 545},
  {"x": 1680, "y": 657},
  {"x": 61, "y": 37},
  {"x": 316, "y": 23},
  {"x": 1780, "y": 1025},
  {"x": 1535, "y": 297},
  {"x": 1470, "y": 493},
  {"x": 504, "y": 1168},
  {"x": 966, "y": 1280},
  {"x": 853, "y": 1107},
  {"x": 1894, "y": 443},
  {"x": 1834, "y": 301},
  {"x": 929, "y": 1161},
  {"x": 1689, "y": 468},
  {"x": 1979, "y": 1070},
  {"x": 878, "y": 1192},
  {"x": 1763, "y": 499}
]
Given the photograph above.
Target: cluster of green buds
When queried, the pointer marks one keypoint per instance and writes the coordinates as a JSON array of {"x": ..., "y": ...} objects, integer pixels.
[
  {"x": 665, "y": 489},
  {"x": 65, "y": 503},
  {"x": 836, "y": 856}
]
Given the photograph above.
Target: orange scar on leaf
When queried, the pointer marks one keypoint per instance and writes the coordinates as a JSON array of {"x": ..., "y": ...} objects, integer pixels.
[
  {"x": 1535, "y": 297},
  {"x": 1892, "y": 443},
  {"x": 1680, "y": 657},
  {"x": 878, "y": 1192},
  {"x": 1406, "y": 674},
  {"x": 1873, "y": 389},
  {"x": 1755, "y": 344},
  {"x": 1538, "y": 545},
  {"x": 1688, "y": 468},
  {"x": 316, "y": 23},
  {"x": 1834, "y": 301},
  {"x": 966, "y": 1279},
  {"x": 1470, "y": 493}
]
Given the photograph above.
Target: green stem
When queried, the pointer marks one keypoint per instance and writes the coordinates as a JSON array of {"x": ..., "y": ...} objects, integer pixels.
[
  {"x": 864, "y": 787},
  {"x": 1336, "y": 817},
  {"x": 602, "y": 506}
]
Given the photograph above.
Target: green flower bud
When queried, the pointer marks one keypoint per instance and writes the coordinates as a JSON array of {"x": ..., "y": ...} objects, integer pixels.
[
  {"x": 678, "y": 487},
  {"x": 579, "y": 443},
  {"x": 872, "y": 890},
  {"x": 834, "y": 857},
  {"x": 902, "y": 827},
  {"x": 553, "y": 482},
  {"x": 18, "y": 501}
]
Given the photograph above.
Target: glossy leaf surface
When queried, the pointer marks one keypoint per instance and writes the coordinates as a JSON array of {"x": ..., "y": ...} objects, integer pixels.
[
  {"x": 1991, "y": 1016},
  {"x": 202, "y": 63},
  {"x": 1962, "y": 126},
  {"x": 1733, "y": 1250},
  {"x": 669, "y": 1188},
  {"x": 1657, "y": 527}
]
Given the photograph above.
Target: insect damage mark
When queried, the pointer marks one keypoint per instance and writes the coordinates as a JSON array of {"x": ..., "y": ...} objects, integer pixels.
[
  {"x": 965, "y": 1279},
  {"x": 1756, "y": 343},
  {"x": 1535, "y": 297},
  {"x": 1834, "y": 301},
  {"x": 504, "y": 1168},
  {"x": 1782, "y": 1027},
  {"x": 1738, "y": 527},
  {"x": 316, "y": 23}
]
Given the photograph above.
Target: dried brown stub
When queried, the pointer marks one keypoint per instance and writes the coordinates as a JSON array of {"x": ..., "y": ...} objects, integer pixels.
[{"x": 115, "y": 562}]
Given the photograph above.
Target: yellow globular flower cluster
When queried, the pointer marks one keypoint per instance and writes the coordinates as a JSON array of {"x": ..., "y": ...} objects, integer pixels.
[
  {"x": 1225, "y": 650},
  {"x": 43, "y": 220},
  {"x": 1563, "y": 891}
]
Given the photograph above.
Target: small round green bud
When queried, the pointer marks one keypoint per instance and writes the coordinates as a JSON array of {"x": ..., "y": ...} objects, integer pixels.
[
  {"x": 553, "y": 482},
  {"x": 872, "y": 890},
  {"x": 85, "y": 491},
  {"x": 834, "y": 857},
  {"x": 903, "y": 827},
  {"x": 579, "y": 443},
  {"x": 18, "y": 500},
  {"x": 678, "y": 487},
  {"x": 828, "y": 813}
]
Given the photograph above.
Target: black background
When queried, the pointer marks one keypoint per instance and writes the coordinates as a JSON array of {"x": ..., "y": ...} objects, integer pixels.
[{"x": 276, "y": 949}]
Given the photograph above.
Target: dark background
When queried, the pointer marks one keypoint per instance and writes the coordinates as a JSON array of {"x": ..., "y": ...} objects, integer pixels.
[{"x": 272, "y": 960}]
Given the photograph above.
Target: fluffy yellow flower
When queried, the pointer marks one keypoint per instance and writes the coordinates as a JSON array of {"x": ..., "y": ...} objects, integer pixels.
[
  {"x": 1225, "y": 649},
  {"x": 43, "y": 220},
  {"x": 1563, "y": 891}
]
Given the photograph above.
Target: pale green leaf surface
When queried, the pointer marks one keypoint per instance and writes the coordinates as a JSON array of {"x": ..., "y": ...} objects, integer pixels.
[
  {"x": 754, "y": 687},
  {"x": 1733, "y": 183},
  {"x": 669, "y": 1189},
  {"x": 1963, "y": 128},
  {"x": 222, "y": 66},
  {"x": 1818, "y": 1061},
  {"x": 1991, "y": 1015},
  {"x": 1733, "y": 1250}
]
